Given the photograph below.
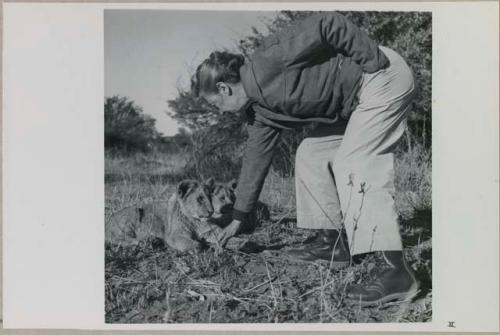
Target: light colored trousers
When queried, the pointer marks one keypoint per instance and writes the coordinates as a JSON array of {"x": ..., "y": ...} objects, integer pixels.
[{"x": 348, "y": 181}]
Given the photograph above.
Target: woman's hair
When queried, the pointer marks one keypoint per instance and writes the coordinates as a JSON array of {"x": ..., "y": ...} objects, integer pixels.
[{"x": 220, "y": 66}]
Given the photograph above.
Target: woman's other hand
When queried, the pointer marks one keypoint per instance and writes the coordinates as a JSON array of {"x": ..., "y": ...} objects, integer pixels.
[{"x": 231, "y": 230}]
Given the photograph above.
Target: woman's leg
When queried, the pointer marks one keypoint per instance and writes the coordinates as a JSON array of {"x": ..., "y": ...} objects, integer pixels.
[
  {"x": 364, "y": 170},
  {"x": 318, "y": 206},
  {"x": 364, "y": 163}
]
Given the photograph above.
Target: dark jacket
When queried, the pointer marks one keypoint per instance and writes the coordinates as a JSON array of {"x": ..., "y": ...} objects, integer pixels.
[{"x": 308, "y": 73}]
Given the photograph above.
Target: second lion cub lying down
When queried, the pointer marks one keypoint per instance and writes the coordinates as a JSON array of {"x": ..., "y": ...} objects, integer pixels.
[
  {"x": 223, "y": 198},
  {"x": 195, "y": 214}
]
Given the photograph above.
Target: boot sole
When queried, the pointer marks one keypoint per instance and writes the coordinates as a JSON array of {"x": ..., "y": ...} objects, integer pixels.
[{"x": 400, "y": 297}]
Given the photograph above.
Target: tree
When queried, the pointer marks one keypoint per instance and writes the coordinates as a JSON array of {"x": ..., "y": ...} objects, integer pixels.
[
  {"x": 192, "y": 112},
  {"x": 126, "y": 127}
]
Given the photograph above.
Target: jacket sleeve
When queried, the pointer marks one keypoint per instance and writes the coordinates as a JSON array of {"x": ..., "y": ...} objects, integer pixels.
[
  {"x": 262, "y": 140},
  {"x": 330, "y": 31}
]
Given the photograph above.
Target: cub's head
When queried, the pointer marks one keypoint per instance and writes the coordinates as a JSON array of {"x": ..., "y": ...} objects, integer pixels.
[
  {"x": 194, "y": 199},
  {"x": 223, "y": 196}
]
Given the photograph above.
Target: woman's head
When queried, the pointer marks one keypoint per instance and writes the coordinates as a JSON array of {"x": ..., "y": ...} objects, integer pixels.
[{"x": 217, "y": 79}]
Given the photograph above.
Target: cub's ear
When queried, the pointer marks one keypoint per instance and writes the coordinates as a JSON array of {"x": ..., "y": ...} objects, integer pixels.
[
  {"x": 185, "y": 186},
  {"x": 210, "y": 183},
  {"x": 232, "y": 184}
]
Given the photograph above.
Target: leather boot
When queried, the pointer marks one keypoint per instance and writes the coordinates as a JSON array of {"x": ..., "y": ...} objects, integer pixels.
[
  {"x": 395, "y": 283},
  {"x": 329, "y": 246}
]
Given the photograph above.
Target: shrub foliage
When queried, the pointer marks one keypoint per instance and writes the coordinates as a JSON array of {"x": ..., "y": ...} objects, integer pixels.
[{"x": 126, "y": 127}]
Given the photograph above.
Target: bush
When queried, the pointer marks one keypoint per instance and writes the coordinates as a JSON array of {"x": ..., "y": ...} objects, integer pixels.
[
  {"x": 126, "y": 127},
  {"x": 216, "y": 151}
]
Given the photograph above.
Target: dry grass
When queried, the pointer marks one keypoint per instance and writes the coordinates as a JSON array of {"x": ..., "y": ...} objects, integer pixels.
[
  {"x": 413, "y": 181},
  {"x": 150, "y": 283}
]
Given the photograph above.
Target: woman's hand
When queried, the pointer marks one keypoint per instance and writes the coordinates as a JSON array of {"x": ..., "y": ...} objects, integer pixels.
[{"x": 231, "y": 230}]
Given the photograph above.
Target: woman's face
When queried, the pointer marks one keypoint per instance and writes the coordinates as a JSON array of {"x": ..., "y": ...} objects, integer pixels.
[
  {"x": 229, "y": 98},
  {"x": 224, "y": 103}
]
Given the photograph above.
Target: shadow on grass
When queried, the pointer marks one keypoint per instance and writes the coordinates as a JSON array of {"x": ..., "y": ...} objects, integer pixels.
[
  {"x": 417, "y": 235},
  {"x": 417, "y": 229}
]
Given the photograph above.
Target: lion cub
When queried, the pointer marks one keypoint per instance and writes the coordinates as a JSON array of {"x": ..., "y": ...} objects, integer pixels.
[
  {"x": 223, "y": 198},
  {"x": 131, "y": 225},
  {"x": 172, "y": 220},
  {"x": 183, "y": 221},
  {"x": 196, "y": 213}
]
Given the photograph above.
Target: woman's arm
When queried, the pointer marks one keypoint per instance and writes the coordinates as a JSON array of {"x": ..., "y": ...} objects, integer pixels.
[
  {"x": 329, "y": 31},
  {"x": 257, "y": 159}
]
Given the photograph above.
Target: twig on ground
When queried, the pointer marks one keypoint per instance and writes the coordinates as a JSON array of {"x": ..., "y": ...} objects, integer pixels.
[
  {"x": 256, "y": 287},
  {"x": 316, "y": 288},
  {"x": 271, "y": 285}
]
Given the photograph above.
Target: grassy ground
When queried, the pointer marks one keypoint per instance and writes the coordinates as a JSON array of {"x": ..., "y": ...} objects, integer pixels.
[{"x": 150, "y": 283}]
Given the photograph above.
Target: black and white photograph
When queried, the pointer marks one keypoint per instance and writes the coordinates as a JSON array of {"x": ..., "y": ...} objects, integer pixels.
[
  {"x": 250, "y": 167},
  {"x": 268, "y": 166}
]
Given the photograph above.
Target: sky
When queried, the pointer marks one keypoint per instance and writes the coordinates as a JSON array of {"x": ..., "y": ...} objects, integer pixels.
[{"x": 148, "y": 54}]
